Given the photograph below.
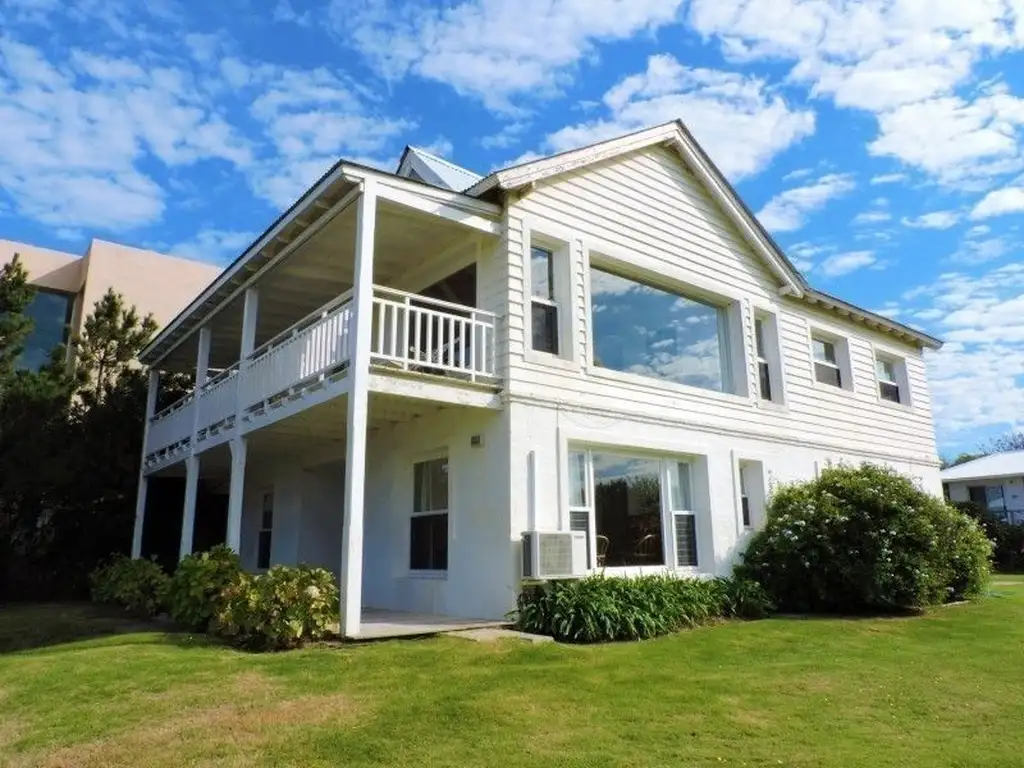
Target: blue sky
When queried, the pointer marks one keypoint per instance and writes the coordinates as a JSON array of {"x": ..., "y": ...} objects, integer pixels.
[{"x": 881, "y": 141}]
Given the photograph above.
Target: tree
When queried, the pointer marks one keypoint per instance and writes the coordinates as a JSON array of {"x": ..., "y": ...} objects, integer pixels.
[
  {"x": 962, "y": 458},
  {"x": 1014, "y": 441},
  {"x": 16, "y": 295},
  {"x": 112, "y": 338}
]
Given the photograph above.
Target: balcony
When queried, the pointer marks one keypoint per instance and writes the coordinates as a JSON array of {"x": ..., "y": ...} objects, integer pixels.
[{"x": 413, "y": 337}]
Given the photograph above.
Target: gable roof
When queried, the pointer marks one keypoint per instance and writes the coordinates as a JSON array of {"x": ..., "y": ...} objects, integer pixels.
[
  {"x": 676, "y": 135},
  {"x": 997, "y": 465},
  {"x": 418, "y": 164}
]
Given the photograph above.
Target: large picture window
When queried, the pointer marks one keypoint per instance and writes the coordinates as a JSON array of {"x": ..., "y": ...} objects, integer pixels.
[
  {"x": 428, "y": 536},
  {"x": 51, "y": 318},
  {"x": 636, "y": 510},
  {"x": 648, "y": 331}
]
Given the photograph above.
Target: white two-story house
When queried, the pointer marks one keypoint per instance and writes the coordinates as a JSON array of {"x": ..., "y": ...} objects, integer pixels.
[{"x": 408, "y": 371}]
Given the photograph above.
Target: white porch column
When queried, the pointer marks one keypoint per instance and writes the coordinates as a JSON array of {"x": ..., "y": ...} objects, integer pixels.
[
  {"x": 140, "y": 496},
  {"x": 249, "y": 315},
  {"x": 236, "y": 490},
  {"x": 188, "y": 519},
  {"x": 358, "y": 403},
  {"x": 203, "y": 357}
]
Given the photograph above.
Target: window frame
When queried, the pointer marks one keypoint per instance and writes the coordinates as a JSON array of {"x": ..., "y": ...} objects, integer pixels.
[
  {"x": 550, "y": 302},
  {"x": 768, "y": 354},
  {"x": 751, "y": 487},
  {"x": 561, "y": 243},
  {"x": 71, "y": 300},
  {"x": 842, "y": 365},
  {"x": 442, "y": 455},
  {"x": 669, "y": 509},
  {"x": 265, "y": 529},
  {"x": 901, "y": 379},
  {"x": 732, "y": 348}
]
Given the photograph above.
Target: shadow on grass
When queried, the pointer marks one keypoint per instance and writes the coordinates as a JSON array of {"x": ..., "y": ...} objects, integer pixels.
[{"x": 39, "y": 625}]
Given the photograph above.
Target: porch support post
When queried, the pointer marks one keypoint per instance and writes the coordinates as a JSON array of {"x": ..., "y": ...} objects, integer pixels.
[
  {"x": 188, "y": 520},
  {"x": 140, "y": 496},
  {"x": 236, "y": 490},
  {"x": 249, "y": 315},
  {"x": 358, "y": 403},
  {"x": 203, "y": 357}
]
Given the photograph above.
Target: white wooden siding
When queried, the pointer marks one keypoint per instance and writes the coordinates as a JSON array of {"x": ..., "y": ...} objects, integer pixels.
[{"x": 647, "y": 210}]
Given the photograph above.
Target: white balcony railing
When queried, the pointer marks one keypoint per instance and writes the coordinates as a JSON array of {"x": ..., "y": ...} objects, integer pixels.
[{"x": 410, "y": 332}]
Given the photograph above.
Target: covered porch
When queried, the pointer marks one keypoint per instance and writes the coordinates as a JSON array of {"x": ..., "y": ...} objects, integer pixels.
[
  {"x": 366, "y": 311},
  {"x": 424, "y": 553}
]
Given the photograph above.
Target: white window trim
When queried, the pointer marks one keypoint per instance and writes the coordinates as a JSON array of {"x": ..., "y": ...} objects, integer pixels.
[
  {"x": 774, "y": 358},
  {"x": 899, "y": 363},
  {"x": 668, "y": 514},
  {"x": 428, "y": 573},
  {"x": 756, "y": 492},
  {"x": 843, "y": 363},
  {"x": 563, "y": 288},
  {"x": 729, "y": 310}
]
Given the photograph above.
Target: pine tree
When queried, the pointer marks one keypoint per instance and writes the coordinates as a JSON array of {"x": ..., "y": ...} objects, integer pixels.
[
  {"x": 16, "y": 295},
  {"x": 111, "y": 339}
]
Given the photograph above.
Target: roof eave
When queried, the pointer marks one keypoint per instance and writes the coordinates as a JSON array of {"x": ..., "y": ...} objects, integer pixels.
[{"x": 872, "y": 319}]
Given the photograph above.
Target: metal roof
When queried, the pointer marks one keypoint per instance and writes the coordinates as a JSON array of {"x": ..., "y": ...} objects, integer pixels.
[{"x": 1009, "y": 464}]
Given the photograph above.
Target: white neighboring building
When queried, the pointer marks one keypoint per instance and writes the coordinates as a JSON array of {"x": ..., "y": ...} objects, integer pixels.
[
  {"x": 398, "y": 379},
  {"x": 995, "y": 482}
]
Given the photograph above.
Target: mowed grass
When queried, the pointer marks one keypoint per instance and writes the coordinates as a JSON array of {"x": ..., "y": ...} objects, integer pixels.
[{"x": 945, "y": 689}]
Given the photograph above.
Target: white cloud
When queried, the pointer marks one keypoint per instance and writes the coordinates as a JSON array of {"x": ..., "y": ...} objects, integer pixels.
[
  {"x": 73, "y": 139},
  {"x": 789, "y": 210},
  {"x": 975, "y": 378},
  {"x": 844, "y": 263},
  {"x": 872, "y": 217},
  {"x": 510, "y": 135},
  {"x": 956, "y": 140},
  {"x": 889, "y": 178},
  {"x": 213, "y": 245},
  {"x": 903, "y": 60},
  {"x": 1000, "y": 202},
  {"x": 284, "y": 11},
  {"x": 934, "y": 220},
  {"x": 736, "y": 120},
  {"x": 974, "y": 251},
  {"x": 493, "y": 50}
]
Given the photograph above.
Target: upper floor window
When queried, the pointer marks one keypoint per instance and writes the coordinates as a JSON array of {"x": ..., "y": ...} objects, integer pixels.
[
  {"x": 826, "y": 362},
  {"x": 642, "y": 329},
  {"x": 891, "y": 375},
  {"x": 51, "y": 317},
  {"x": 543, "y": 306},
  {"x": 764, "y": 369}
]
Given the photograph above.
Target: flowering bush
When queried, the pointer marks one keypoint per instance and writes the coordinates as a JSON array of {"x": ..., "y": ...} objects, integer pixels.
[
  {"x": 139, "y": 586},
  {"x": 195, "y": 590},
  {"x": 283, "y": 608},
  {"x": 865, "y": 539}
]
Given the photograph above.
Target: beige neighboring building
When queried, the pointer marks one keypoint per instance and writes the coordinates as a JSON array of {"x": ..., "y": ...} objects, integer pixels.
[{"x": 68, "y": 286}]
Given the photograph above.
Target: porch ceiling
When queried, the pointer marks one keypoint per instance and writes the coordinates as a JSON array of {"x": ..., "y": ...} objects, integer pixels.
[
  {"x": 313, "y": 435},
  {"x": 406, "y": 243}
]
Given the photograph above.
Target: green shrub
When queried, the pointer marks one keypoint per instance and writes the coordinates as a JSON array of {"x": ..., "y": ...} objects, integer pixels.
[
  {"x": 139, "y": 586},
  {"x": 1007, "y": 539},
  {"x": 602, "y": 609},
  {"x": 864, "y": 540},
  {"x": 283, "y": 608},
  {"x": 195, "y": 589}
]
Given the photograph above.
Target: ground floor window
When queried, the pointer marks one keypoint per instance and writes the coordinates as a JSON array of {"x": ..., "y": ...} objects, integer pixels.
[
  {"x": 266, "y": 531},
  {"x": 428, "y": 534},
  {"x": 636, "y": 510}
]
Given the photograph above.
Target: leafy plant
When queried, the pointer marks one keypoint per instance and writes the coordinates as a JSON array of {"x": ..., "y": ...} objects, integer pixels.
[
  {"x": 1007, "y": 539},
  {"x": 283, "y": 608},
  {"x": 600, "y": 608},
  {"x": 864, "y": 540},
  {"x": 196, "y": 589},
  {"x": 139, "y": 586}
]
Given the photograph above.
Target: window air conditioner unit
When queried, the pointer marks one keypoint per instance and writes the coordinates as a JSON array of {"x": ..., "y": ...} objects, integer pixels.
[{"x": 554, "y": 554}]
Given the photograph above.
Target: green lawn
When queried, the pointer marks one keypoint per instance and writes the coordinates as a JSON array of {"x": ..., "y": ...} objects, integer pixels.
[{"x": 945, "y": 689}]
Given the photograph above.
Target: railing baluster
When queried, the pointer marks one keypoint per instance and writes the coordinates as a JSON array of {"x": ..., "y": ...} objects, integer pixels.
[{"x": 416, "y": 333}]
